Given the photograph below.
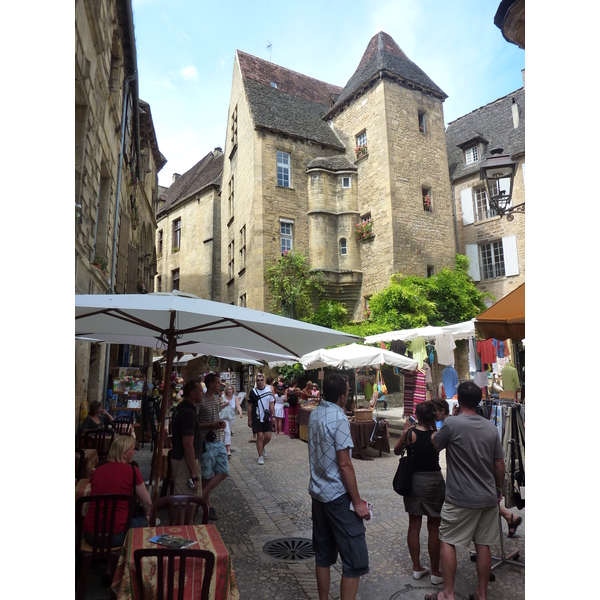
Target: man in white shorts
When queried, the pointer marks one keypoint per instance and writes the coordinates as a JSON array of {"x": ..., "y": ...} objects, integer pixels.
[{"x": 475, "y": 473}]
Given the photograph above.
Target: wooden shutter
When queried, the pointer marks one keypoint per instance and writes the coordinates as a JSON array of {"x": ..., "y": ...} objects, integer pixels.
[
  {"x": 466, "y": 201},
  {"x": 511, "y": 257},
  {"x": 472, "y": 253},
  {"x": 122, "y": 255},
  {"x": 132, "y": 265}
]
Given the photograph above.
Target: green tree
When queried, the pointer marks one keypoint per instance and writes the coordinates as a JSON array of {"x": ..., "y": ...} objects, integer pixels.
[
  {"x": 294, "y": 288},
  {"x": 445, "y": 298},
  {"x": 330, "y": 314}
]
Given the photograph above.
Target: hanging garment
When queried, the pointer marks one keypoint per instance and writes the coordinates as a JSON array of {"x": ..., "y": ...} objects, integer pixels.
[
  {"x": 450, "y": 381},
  {"x": 499, "y": 346},
  {"x": 410, "y": 382},
  {"x": 420, "y": 388},
  {"x": 441, "y": 391},
  {"x": 481, "y": 379},
  {"x": 431, "y": 356},
  {"x": 486, "y": 351},
  {"x": 444, "y": 346},
  {"x": 427, "y": 369},
  {"x": 399, "y": 347},
  {"x": 419, "y": 350},
  {"x": 472, "y": 356}
]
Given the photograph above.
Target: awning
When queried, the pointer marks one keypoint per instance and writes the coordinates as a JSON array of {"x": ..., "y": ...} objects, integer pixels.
[{"x": 505, "y": 319}]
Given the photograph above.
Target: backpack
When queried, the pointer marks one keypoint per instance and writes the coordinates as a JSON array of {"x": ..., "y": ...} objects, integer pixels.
[{"x": 292, "y": 397}]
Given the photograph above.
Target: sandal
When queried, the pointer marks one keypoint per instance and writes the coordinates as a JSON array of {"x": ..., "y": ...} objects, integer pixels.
[
  {"x": 512, "y": 528},
  {"x": 433, "y": 596}
]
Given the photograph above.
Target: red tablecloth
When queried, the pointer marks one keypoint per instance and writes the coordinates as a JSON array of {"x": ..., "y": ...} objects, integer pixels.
[
  {"x": 223, "y": 585},
  {"x": 361, "y": 438}
]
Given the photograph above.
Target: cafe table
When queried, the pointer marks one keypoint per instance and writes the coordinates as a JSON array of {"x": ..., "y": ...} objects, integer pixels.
[
  {"x": 361, "y": 432},
  {"x": 223, "y": 585}
]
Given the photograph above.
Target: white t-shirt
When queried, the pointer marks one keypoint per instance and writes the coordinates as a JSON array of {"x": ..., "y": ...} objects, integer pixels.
[{"x": 265, "y": 397}]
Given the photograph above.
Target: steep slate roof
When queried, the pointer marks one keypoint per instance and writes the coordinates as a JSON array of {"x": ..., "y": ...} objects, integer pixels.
[
  {"x": 494, "y": 122},
  {"x": 383, "y": 54},
  {"x": 296, "y": 107},
  {"x": 208, "y": 172}
]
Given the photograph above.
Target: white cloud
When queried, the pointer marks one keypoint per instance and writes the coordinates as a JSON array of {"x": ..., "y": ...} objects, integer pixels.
[
  {"x": 163, "y": 84},
  {"x": 189, "y": 73}
]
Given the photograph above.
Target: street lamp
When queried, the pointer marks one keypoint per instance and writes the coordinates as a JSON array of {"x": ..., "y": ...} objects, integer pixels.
[{"x": 498, "y": 173}]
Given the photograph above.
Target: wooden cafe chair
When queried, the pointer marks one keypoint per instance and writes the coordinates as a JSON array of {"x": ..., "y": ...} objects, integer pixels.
[
  {"x": 79, "y": 463},
  {"x": 104, "y": 521},
  {"x": 181, "y": 509},
  {"x": 123, "y": 425},
  {"x": 184, "y": 554},
  {"x": 100, "y": 440}
]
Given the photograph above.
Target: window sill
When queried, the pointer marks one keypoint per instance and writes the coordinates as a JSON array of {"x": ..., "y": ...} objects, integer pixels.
[
  {"x": 175, "y": 250},
  {"x": 361, "y": 157},
  {"x": 283, "y": 187},
  {"x": 488, "y": 220}
]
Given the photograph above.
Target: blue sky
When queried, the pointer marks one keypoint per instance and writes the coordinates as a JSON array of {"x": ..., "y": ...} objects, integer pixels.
[{"x": 186, "y": 51}]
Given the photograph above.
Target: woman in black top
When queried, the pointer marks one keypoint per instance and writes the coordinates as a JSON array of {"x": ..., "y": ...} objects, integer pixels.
[{"x": 427, "y": 492}]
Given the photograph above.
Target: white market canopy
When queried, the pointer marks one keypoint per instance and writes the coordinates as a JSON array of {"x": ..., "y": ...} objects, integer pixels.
[
  {"x": 186, "y": 358},
  {"x": 353, "y": 356},
  {"x": 459, "y": 331}
]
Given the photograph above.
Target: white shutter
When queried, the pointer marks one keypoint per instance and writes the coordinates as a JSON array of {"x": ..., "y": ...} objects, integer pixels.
[
  {"x": 511, "y": 258},
  {"x": 466, "y": 201},
  {"x": 504, "y": 184},
  {"x": 473, "y": 255}
]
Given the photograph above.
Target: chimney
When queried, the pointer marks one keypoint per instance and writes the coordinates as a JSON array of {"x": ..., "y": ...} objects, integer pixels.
[
  {"x": 217, "y": 151},
  {"x": 176, "y": 176},
  {"x": 523, "y": 75}
]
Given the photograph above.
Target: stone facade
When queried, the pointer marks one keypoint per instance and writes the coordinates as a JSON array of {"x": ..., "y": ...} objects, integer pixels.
[
  {"x": 386, "y": 184},
  {"x": 114, "y": 200},
  {"x": 495, "y": 246}
]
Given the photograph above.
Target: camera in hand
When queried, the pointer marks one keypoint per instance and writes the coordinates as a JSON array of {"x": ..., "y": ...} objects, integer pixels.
[{"x": 210, "y": 436}]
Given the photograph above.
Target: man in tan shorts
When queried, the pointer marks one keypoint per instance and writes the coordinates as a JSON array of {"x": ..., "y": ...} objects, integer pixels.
[
  {"x": 187, "y": 442},
  {"x": 475, "y": 472}
]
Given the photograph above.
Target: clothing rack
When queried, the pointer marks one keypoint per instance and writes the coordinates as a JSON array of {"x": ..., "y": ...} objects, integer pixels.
[{"x": 510, "y": 450}]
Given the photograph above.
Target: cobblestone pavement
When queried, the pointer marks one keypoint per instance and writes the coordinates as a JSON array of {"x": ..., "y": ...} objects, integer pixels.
[{"x": 258, "y": 504}]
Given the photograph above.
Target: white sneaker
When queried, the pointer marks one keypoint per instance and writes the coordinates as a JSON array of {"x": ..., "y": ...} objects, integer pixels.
[
  {"x": 265, "y": 453},
  {"x": 436, "y": 580},
  {"x": 420, "y": 574},
  {"x": 261, "y": 460}
]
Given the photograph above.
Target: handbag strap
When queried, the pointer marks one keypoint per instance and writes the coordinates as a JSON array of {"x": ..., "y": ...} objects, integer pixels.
[{"x": 408, "y": 437}]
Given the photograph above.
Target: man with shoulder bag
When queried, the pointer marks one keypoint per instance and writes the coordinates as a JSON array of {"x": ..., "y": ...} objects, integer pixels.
[{"x": 262, "y": 403}]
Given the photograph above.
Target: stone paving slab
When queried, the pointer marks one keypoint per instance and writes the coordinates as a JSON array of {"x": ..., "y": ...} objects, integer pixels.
[{"x": 258, "y": 504}]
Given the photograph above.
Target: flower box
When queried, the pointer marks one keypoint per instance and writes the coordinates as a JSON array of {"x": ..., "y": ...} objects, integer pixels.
[
  {"x": 360, "y": 151},
  {"x": 363, "y": 231}
]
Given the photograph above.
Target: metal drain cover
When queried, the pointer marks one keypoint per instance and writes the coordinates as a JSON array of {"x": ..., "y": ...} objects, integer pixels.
[
  {"x": 290, "y": 549},
  {"x": 417, "y": 593}
]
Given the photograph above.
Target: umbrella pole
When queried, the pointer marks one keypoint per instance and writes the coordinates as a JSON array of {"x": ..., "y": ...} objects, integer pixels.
[{"x": 160, "y": 442}]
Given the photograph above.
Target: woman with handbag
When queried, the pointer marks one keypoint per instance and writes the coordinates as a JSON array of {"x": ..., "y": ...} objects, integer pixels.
[
  {"x": 229, "y": 404},
  {"x": 427, "y": 491}
]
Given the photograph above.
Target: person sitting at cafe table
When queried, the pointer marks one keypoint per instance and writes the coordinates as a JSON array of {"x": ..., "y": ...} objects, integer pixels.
[
  {"x": 118, "y": 476},
  {"x": 97, "y": 417}
]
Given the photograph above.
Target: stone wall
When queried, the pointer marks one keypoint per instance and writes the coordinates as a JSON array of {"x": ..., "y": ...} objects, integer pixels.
[
  {"x": 492, "y": 230},
  {"x": 197, "y": 258}
]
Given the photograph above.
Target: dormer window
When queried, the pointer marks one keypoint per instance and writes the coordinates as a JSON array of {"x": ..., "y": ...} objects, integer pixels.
[
  {"x": 472, "y": 155},
  {"x": 273, "y": 85}
]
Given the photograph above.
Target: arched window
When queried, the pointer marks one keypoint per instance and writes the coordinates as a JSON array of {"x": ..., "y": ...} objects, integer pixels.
[{"x": 343, "y": 247}]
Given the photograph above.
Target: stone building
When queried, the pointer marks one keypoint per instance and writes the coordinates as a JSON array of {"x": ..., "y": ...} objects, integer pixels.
[
  {"x": 117, "y": 161},
  {"x": 306, "y": 161},
  {"x": 188, "y": 237},
  {"x": 494, "y": 245}
]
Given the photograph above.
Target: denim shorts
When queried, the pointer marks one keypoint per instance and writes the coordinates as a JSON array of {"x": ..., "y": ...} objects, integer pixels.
[
  {"x": 338, "y": 529},
  {"x": 214, "y": 460}
]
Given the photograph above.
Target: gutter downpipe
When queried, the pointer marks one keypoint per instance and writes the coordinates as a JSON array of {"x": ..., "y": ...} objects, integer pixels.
[{"x": 454, "y": 217}]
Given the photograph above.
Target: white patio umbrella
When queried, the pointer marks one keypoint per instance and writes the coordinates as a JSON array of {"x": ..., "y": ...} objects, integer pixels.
[
  {"x": 173, "y": 319},
  {"x": 354, "y": 356},
  {"x": 459, "y": 331}
]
